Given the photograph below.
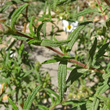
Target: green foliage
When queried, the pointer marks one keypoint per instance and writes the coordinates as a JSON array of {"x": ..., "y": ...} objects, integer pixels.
[
  {"x": 81, "y": 84},
  {"x": 73, "y": 36},
  {"x": 47, "y": 42},
  {"x": 62, "y": 72},
  {"x": 91, "y": 53},
  {"x": 16, "y": 14},
  {"x": 12, "y": 104},
  {"x": 84, "y": 12},
  {"x": 30, "y": 98}
]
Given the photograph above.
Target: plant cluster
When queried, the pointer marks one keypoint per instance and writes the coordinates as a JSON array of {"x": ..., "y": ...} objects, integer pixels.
[{"x": 24, "y": 82}]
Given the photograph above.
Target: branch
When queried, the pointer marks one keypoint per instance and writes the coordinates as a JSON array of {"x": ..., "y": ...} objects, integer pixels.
[
  {"x": 21, "y": 34},
  {"x": 56, "y": 51}
]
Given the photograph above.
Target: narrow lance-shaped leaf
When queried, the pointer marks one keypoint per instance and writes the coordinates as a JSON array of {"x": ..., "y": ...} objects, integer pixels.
[
  {"x": 31, "y": 27},
  {"x": 62, "y": 72},
  {"x": 42, "y": 107},
  {"x": 47, "y": 42},
  {"x": 102, "y": 50},
  {"x": 52, "y": 92},
  {"x": 11, "y": 45},
  {"x": 12, "y": 104},
  {"x": 5, "y": 7},
  {"x": 75, "y": 103},
  {"x": 91, "y": 53},
  {"x": 99, "y": 91},
  {"x": 84, "y": 12},
  {"x": 30, "y": 98},
  {"x": 73, "y": 36},
  {"x": 75, "y": 74},
  {"x": 16, "y": 14},
  {"x": 39, "y": 30},
  {"x": 44, "y": 30},
  {"x": 56, "y": 59}
]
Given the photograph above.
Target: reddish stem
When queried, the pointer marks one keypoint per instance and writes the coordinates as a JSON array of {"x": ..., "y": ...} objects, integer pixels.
[
  {"x": 101, "y": 10},
  {"x": 71, "y": 60},
  {"x": 21, "y": 34}
]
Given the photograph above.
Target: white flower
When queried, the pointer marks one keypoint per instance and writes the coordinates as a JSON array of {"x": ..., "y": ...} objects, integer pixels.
[
  {"x": 61, "y": 18},
  {"x": 69, "y": 27},
  {"x": 0, "y": 86}
]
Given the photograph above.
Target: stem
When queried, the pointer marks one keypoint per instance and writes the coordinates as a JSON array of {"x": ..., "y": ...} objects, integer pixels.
[
  {"x": 101, "y": 10},
  {"x": 21, "y": 34},
  {"x": 56, "y": 51}
]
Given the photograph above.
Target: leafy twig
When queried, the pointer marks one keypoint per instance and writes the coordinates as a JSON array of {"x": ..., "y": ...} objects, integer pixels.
[
  {"x": 101, "y": 10},
  {"x": 71, "y": 60}
]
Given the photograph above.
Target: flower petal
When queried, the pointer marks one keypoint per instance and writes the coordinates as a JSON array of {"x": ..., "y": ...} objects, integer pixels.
[
  {"x": 65, "y": 23},
  {"x": 75, "y": 24}
]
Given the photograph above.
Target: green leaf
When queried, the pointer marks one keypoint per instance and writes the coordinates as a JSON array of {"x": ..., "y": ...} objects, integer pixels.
[
  {"x": 62, "y": 72},
  {"x": 73, "y": 36},
  {"x": 106, "y": 76},
  {"x": 34, "y": 42},
  {"x": 91, "y": 53},
  {"x": 52, "y": 92},
  {"x": 30, "y": 98},
  {"x": 102, "y": 98},
  {"x": 57, "y": 59},
  {"x": 101, "y": 51},
  {"x": 21, "y": 49},
  {"x": 39, "y": 30},
  {"x": 99, "y": 91},
  {"x": 42, "y": 107},
  {"x": 74, "y": 75},
  {"x": 12, "y": 104},
  {"x": 5, "y": 6},
  {"x": 11, "y": 45},
  {"x": 54, "y": 97},
  {"x": 75, "y": 103},
  {"x": 47, "y": 42},
  {"x": 44, "y": 30},
  {"x": 84, "y": 12},
  {"x": 7, "y": 58},
  {"x": 7, "y": 80},
  {"x": 50, "y": 61},
  {"x": 95, "y": 104},
  {"x": 19, "y": 37},
  {"x": 103, "y": 88},
  {"x": 16, "y": 14},
  {"x": 31, "y": 27}
]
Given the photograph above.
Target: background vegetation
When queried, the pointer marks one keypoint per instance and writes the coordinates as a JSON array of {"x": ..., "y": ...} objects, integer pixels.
[{"x": 23, "y": 81}]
